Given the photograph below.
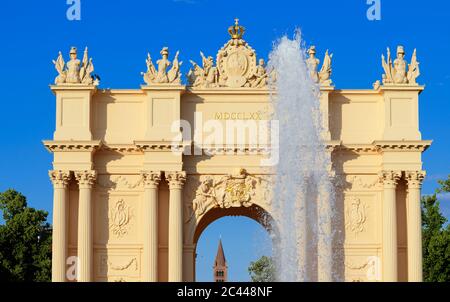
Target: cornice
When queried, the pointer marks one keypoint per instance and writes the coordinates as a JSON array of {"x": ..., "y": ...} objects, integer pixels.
[
  {"x": 139, "y": 147},
  {"x": 413, "y": 146},
  {"x": 160, "y": 146},
  {"x": 72, "y": 146},
  {"x": 122, "y": 148}
]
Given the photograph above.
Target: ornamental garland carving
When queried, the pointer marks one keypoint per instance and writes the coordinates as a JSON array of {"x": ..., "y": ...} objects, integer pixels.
[
  {"x": 107, "y": 264},
  {"x": 120, "y": 182},
  {"x": 241, "y": 190},
  {"x": 119, "y": 218}
]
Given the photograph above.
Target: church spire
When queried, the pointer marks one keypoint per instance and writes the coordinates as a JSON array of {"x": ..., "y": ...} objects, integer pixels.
[{"x": 220, "y": 265}]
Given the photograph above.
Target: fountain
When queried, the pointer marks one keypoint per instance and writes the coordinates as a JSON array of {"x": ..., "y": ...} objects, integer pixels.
[{"x": 303, "y": 193}]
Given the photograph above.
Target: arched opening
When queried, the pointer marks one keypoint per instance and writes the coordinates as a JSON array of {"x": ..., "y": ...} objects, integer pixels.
[{"x": 246, "y": 235}]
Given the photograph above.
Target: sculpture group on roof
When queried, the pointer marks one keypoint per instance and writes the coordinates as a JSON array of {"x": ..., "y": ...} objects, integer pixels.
[{"x": 236, "y": 66}]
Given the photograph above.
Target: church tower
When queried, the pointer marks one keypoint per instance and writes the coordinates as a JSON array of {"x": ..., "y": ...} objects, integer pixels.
[{"x": 220, "y": 265}]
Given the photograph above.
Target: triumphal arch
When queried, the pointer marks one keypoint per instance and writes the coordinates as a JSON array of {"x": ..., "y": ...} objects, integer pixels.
[{"x": 135, "y": 185}]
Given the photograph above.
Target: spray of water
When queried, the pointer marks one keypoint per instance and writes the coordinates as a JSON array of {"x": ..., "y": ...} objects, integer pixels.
[{"x": 303, "y": 193}]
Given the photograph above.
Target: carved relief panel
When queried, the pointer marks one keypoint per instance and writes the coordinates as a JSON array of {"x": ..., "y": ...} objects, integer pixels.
[
  {"x": 118, "y": 267},
  {"x": 117, "y": 218},
  {"x": 361, "y": 218},
  {"x": 225, "y": 191}
]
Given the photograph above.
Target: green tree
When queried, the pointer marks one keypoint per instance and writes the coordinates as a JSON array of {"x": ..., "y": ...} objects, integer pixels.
[
  {"x": 262, "y": 270},
  {"x": 436, "y": 238},
  {"x": 25, "y": 240}
]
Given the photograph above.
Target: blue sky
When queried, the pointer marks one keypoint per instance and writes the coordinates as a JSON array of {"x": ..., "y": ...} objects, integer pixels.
[{"x": 120, "y": 33}]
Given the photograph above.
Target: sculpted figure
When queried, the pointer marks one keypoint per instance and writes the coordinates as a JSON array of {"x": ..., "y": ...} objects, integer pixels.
[
  {"x": 162, "y": 75},
  {"x": 313, "y": 64},
  {"x": 163, "y": 64},
  {"x": 206, "y": 76},
  {"x": 204, "y": 196},
  {"x": 73, "y": 67},
  {"x": 174, "y": 73},
  {"x": 260, "y": 78},
  {"x": 413, "y": 69},
  {"x": 396, "y": 73},
  {"x": 325, "y": 71},
  {"x": 324, "y": 76},
  {"x": 75, "y": 71},
  {"x": 400, "y": 67}
]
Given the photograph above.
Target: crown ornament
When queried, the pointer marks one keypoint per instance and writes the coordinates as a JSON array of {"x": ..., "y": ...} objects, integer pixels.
[{"x": 236, "y": 31}]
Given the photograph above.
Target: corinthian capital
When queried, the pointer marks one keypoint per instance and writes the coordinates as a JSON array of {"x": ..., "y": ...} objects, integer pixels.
[
  {"x": 415, "y": 179},
  {"x": 390, "y": 178},
  {"x": 176, "y": 179},
  {"x": 151, "y": 179},
  {"x": 86, "y": 178},
  {"x": 60, "y": 179}
]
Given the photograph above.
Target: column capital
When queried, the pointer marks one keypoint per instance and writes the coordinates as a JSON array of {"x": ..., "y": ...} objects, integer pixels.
[
  {"x": 176, "y": 179},
  {"x": 59, "y": 178},
  {"x": 151, "y": 179},
  {"x": 415, "y": 179},
  {"x": 86, "y": 179},
  {"x": 389, "y": 178}
]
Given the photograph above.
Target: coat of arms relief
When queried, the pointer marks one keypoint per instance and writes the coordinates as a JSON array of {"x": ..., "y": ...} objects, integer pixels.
[
  {"x": 227, "y": 191},
  {"x": 237, "y": 65}
]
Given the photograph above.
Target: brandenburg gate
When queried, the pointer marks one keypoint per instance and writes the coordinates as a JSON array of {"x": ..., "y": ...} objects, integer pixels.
[{"x": 134, "y": 188}]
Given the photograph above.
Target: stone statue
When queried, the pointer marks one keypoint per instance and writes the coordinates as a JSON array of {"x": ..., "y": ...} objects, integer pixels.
[
  {"x": 204, "y": 197},
  {"x": 413, "y": 69},
  {"x": 313, "y": 64},
  {"x": 75, "y": 71},
  {"x": 162, "y": 75},
  {"x": 174, "y": 72},
  {"x": 396, "y": 73},
  {"x": 206, "y": 76},
  {"x": 259, "y": 79},
  {"x": 325, "y": 71},
  {"x": 324, "y": 76}
]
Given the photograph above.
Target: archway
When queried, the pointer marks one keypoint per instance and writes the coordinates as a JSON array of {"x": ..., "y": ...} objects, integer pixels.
[{"x": 247, "y": 235}]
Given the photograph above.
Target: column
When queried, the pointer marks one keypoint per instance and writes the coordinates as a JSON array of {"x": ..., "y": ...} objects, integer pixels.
[
  {"x": 60, "y": 180},
  {"x": 176, "y": 181},
  {"x": 150, "y": 223},
  {"x": 85, "y": 249},
  {"x": 390, "y": 250},
  {"x": 414, "y": 225}
]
